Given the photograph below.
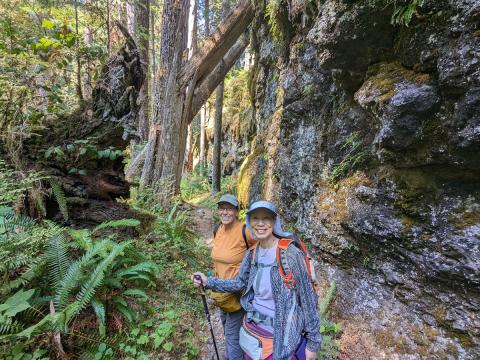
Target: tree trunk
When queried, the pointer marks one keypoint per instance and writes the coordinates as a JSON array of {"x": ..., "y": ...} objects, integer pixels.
[
  {"x": 152, "y": 36},
  {"x": 142, "y": 27},
  {"x": 192, "y": 24},
  {"x": 79, "y": 63},
  {"x": 176, "y": 86},
  {"x": 87, "y": 78},
  {"x": 203, "y": 137},
  {"x": 204, "y": 111},
  {"x": 162, "y": 160},
  {"x": 109, "y": 45},
  {"x": 217, "y": 140},
  {"x": 130, "y": 11}
]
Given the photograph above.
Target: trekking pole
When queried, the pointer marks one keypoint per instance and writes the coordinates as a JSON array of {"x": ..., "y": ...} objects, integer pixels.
[{"x": 207, "y": 313}]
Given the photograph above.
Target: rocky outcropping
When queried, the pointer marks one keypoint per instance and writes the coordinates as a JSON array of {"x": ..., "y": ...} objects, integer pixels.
[{"x": 367, "y": 136}]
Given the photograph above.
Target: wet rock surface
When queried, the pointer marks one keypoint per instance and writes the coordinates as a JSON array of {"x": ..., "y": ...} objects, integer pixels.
[{"x": 371, "y": 135}]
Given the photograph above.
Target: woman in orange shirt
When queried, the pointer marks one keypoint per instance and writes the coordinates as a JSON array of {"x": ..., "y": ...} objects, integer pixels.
[{"x": 230, "y": 243}]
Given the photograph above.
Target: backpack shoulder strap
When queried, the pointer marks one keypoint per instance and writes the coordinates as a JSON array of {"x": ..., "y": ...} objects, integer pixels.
[
  {"x": 215, "y": 229},
  {"x": 252, "y": 252},
  {"x": 283, "y": 268},
  {"x": 244, "y": 234}
]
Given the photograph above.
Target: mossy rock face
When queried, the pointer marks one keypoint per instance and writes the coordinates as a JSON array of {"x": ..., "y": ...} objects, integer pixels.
[{"x": 250, "y": 178}]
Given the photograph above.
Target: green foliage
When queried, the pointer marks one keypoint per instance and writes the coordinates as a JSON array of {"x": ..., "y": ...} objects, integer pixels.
[
  {"x": 74, "y": 156},
  {"x": 402, "y": 14},
  {"x": 329, "y": 329},
  {"x": 356, "y": 154},
  {"x": 101, "y": 267},
  {"x": 60, "y": 197},
  {"x": 272, "y": 13},
  {"x": 308, "y": 89},
  {"x": 193, "y": 185},
  {"x": 13, "y": 185}
]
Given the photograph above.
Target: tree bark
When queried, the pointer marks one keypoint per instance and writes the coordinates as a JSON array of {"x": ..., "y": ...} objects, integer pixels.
[
  {"x": 169, "y": 99},
  {"x": 217, "y": 140},
  {"x": 87, "y": 78},
  {"x": 142, "y": 27},
  {"x": 203, "y": 137},
  {"x": 192, "y": 23},
  {"x": 109, "y": 45},
  {"x": 79, "y": 62}
]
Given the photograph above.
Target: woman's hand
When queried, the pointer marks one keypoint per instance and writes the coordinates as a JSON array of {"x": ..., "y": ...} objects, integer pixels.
[
  {"x": 197, "y": 281},
  {"x": 310, "y": 355}
]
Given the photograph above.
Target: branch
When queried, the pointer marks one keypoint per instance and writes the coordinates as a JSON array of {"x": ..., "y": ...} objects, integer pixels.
[
  {"x": 215, "y": 48},
  {"x": 204, "y": 88}
]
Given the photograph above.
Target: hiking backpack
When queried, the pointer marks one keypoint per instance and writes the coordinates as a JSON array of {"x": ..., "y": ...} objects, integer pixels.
[
  {"x": 244, "y": 235},
  {"x": 281, "y": 258}
]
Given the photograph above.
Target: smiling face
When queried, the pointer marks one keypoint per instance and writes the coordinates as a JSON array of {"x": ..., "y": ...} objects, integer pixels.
[
  {"x": 227, "y": 213},
  {"x": 261, "y": 221}
]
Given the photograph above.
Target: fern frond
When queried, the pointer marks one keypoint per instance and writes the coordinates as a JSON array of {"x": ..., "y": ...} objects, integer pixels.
[
  {"x": 9, "y": 327},
  {"x": 137, "y": 293},
  {"x": 89, "y": 288},
  {"x": 99, "y": 309},
  {"x": 74, "y": 274},
  {"x": 57, "y": 259},
  {"x": 60, "y": 197},
  {"x": 327, "y": 298},
  {"x": 117, "y": 223},
  {"x": 145, "y": 267},
  {"x": 35, "y": 269}
]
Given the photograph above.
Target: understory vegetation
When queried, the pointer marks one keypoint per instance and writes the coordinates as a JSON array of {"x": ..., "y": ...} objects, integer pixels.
[{"x": 102, "y": 293}]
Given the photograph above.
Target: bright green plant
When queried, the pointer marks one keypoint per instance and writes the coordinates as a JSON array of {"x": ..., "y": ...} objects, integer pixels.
[
  {"x": 403, "y": 14},
  {"x": 356, "y": 154},
  {"x": 329, "y": 329},
  {"x": 104, "y": 274}
]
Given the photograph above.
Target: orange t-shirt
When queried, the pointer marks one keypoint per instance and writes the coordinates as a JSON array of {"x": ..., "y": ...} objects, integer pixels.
[{"x": 229, "y": 249}]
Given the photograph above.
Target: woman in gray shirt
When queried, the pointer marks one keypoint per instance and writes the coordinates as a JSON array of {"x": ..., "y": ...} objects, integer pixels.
[{"x": 288, "y": 314}]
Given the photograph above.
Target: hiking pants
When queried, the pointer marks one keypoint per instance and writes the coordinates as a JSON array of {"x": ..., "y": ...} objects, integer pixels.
[{"x": 231, "y": 328}]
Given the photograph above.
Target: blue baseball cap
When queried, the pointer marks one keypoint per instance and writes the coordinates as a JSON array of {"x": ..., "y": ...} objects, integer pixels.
[{"x": 267, "y": 205}]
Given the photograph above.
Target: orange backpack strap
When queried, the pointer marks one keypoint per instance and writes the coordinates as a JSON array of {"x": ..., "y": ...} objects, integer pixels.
[{"x": 283, "y": 267}]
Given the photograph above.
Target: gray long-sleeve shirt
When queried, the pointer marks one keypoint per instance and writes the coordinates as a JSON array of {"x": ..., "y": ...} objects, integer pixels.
[{"x": 295, "y": 308}]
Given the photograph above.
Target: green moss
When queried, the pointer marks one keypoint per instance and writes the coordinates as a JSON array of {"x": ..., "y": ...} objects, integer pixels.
[
  {"x": 384, "y": 76},
  {"x": 247, "y": 173},
  {"x": 465, "y": 219}
]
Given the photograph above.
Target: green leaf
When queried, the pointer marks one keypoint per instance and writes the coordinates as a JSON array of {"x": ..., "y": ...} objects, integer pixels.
[
  {"x": 168, "y": 346},
  {"x": 117, "y": 223},
  {"x": 142, "y": 340},
  {"x": 48, "y": 24},
  {"x": 58, "y": 151},
  {"x": 136, "y": 292}
]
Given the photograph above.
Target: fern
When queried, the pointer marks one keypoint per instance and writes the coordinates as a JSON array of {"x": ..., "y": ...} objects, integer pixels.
[
  {"x": 60, "y": 197},
  {"x": 328, "y": 298},
  {"x": 57, "y": 259},
  {"x": 88, "y": 289},
  {"x": 403, "y": 14},
  {"x": 117, "y": 223},
  {"x": 99, "y": 309},
  {"x": 74, "y": 274}
]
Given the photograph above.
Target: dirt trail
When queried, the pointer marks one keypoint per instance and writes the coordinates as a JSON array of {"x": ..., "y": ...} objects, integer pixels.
[{"x": 203, "y": 225}]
